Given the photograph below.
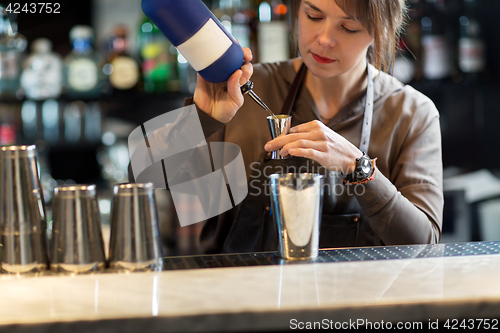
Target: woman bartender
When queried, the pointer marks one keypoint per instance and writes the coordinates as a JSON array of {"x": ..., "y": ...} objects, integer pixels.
[{"x": 346, "y": 111}]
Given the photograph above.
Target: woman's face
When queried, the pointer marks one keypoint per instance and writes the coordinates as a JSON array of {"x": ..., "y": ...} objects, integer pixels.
[{"x": 330, "y": 43}]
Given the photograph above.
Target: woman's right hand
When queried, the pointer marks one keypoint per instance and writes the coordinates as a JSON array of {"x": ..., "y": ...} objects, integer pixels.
[{"x": 221, "y": 101}]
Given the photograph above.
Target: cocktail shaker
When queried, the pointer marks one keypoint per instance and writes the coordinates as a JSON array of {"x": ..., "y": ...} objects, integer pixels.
[
  {"x": 296, "y": 200},
  {"x": 22, "y": 212},
  {"x": 135, "y": 242},
  {"x": 77, "y": 245}
]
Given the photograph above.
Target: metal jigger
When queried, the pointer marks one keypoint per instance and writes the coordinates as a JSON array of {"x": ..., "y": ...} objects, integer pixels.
[
  {"x": 77, "y": 245},
  {"x": 22, "y": 212},
  {"x": 135, "y": 242},
  {"x": 279, "y": 126}
]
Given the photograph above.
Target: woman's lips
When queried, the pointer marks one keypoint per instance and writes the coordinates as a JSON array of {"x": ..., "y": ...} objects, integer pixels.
[{"x": 322, "y": 60}]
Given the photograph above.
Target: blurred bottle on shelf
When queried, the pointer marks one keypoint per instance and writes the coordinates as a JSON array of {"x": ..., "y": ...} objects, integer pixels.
[
  {"x": 42, "y": 72},
  {"x": 50, "y": 121},
  {"x": 273, "y": 32},
  {"x": 73, "y": 115},
  {"x": 437, "y": 51},
  {"x": 8, "y": 123},
  {"x": 187, "y": 74},
  {"x": 471, "y": 46},
  {"x": 123, "y": 70},
  {"x": 413, "y": 35},
  {"x": 7, "y": 133},
  {"x": 12, "y": 46},
  {"x": 234, "y": 15},
  {"x": 83, "y": 73},
  {"x": 404, "y": 63},
  {"x": 93, "y": 122},
  {"x": 29, "y": 117},
  {"x": 159, "y": 60}
]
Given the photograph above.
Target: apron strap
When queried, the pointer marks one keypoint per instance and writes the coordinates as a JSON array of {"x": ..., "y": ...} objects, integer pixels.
[
  {"x": 368, "y": 117},
  {"x": 293, "y": 91}
]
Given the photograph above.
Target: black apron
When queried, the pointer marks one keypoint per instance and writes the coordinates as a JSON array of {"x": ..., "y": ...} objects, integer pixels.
[{"x": 254, "y": 230}]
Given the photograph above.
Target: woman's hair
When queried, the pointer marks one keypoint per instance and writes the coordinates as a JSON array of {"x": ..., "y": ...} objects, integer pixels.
[{"x": 383, "y": 19}]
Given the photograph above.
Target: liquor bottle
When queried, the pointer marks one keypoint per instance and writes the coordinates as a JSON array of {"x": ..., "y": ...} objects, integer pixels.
[
  {"x": 198, "y": 35},
  {"x": 187, "y": 75},
  {"x": 29, "y": 116},
  {"x": 12, "y": 46},
  {"x": 413, "y": 35},
  {"x": 159, "y": 59},
  {"x": 234, "y": 16},
  {"x": 471, "y": 46},
  {"x": 72, "y": 116},
  {"x": 122, "y": 68},
  {"x": 50, "y": 121},
  {"x": 8, "y": 126},
  {"x": 42, "y": 72},
  {"x": 437, "y": 52},
  {"x": 242, "y": 18},
  {"x": 83, "y": 73},
  {"x": 273, "y": 32},
  {"x": 92, "y": 123},
  {"x": 404, "y": 64}
]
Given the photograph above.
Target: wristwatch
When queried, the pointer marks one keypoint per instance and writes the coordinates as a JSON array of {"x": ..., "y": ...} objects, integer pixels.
[{"x": 363, "y": 172}]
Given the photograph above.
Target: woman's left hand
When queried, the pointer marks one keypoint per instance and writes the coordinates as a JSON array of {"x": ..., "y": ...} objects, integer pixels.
[{"x": 318, "y": 142}]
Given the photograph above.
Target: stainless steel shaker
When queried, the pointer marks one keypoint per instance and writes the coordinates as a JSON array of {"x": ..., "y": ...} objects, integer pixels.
[
  {"x": 296, "y": 200},
  {"x": 22, "y": 212},
  {"x": 135, "y": 242},
  {"x": 77, "y": 245}
]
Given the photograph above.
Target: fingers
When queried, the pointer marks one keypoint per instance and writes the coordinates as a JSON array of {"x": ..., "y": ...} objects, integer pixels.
[
  {"x": 307, "y": 153},
  {"x": 247, "y": 70},
  {"x": 247, "y": 67},
  {"x": 233, "y": 87},
  {"x": 283, "y": 140},
  {"x": 319, "y": 146},
  {"x": 247, "y": 54},
  {"x": 307, "y": 127}
]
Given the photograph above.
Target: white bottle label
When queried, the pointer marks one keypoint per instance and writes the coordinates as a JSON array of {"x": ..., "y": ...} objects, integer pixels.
[
  {"x": 82, "y": 75},
  {"x": 205, "y": 46},
  {"x": 125, "y": 73},
  {"x": 273, "y": 41},
  {"x": 471, "y": 55}
]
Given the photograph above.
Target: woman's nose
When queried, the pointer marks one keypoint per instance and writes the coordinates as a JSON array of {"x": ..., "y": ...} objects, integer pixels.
[{"x": 326, "y": 38}]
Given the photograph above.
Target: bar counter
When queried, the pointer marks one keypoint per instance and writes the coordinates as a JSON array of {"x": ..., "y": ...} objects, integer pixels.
[{"x": 259, "y": 292}]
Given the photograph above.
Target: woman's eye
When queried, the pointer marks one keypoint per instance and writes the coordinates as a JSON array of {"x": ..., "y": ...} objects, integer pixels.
[
  {"x": 349, "y": 31},
  {"x": 312, "y": 18}
]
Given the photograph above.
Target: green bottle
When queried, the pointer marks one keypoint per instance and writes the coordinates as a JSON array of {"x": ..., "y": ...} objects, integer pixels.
[{"x": 159, "y": 60}]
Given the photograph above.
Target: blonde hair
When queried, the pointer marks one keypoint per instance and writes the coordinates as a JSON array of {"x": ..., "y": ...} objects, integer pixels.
[{"x": 383, "y": 19}]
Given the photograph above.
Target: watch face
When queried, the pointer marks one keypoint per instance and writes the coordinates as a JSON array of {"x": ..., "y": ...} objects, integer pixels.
[{"x": 365, "y": 166}]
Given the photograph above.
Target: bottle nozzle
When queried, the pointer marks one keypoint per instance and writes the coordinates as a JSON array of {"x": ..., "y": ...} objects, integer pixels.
[{"x": 247, "y": 89}]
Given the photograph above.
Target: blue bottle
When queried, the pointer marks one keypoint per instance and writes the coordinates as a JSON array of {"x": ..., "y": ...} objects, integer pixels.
[{"x": 198, "y": 35}]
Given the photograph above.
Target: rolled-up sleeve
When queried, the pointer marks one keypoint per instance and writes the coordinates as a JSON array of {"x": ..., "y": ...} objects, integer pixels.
[{"x": 405, "y": 205}]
